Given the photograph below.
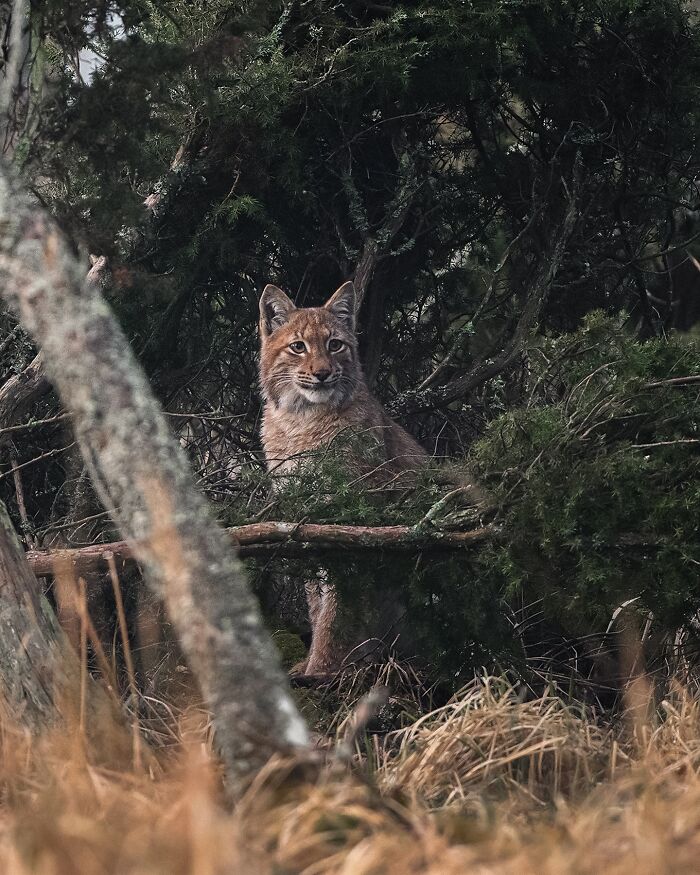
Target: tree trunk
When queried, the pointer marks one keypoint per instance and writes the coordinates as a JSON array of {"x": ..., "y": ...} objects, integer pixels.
[
  {"x": 42, "y": 680},
  {"x": 34, "y": 654},
  {"x": 143, "y": 479},
  {"x": 21, "y": 391}
]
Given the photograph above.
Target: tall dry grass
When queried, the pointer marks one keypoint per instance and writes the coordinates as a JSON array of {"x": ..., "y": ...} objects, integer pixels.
[{"x": 487, "y": 783}]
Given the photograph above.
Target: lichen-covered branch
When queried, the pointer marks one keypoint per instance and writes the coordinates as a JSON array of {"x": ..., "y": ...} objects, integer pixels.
[{"x": 142, "y": 477}]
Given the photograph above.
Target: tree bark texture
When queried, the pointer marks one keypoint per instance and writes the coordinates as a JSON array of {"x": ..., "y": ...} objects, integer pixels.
[
  {"x": 21, "y": 391},
  {"x": 41, "y": 680},
  {"x": 142, "y": 477},
  {"x": 280, "y": 539},
  {"x": 35, "y": 657}
]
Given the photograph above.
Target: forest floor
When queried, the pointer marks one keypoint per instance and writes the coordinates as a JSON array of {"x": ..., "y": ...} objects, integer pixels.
[{"x": 488, "y": 783}]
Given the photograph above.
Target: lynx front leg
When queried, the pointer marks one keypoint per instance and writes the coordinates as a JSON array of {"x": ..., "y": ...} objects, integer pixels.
[{"x": 322, "y": 601}]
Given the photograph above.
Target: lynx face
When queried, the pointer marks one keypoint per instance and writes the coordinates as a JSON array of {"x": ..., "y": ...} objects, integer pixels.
[{"x": 308, "y": 356}]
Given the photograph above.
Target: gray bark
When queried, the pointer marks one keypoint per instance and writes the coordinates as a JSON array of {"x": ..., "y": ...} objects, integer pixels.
[
  {"x": 41, "y": 679},
  {"x": 19, "y": 393},
  {"x": 142, "y": 477},
  {"x": 34, "y": 654}
]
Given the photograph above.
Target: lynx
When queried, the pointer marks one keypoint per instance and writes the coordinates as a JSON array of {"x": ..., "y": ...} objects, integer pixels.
[{"x": 313, "y": 389}]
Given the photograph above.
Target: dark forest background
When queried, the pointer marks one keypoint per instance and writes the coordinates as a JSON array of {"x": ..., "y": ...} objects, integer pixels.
[{"x": 513, "y": 186}]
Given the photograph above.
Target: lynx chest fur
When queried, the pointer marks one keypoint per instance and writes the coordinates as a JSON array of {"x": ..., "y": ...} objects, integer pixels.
[{"x": 313, "y": 385}]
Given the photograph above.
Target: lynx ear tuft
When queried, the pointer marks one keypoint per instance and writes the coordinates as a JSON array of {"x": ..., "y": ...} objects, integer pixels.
[
  {"x": 275, "y": 309},
  {"x": 342, "y": 304}
]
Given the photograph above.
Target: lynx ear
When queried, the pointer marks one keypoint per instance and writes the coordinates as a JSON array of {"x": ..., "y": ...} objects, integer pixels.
[
  {"x": 275, "y": 309},
  {"x": 343, "y": 304}
]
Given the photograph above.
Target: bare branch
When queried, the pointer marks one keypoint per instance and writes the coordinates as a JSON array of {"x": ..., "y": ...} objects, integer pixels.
[
  {"x": 283, "y": 539},
  {"x": 367, "y": 709},
  {"x": 415, "y": 400},
  {"x": 458, "y": 346},
  {"x": 691, "y": 380}
]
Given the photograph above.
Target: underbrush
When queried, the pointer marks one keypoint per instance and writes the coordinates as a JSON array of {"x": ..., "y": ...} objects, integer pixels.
[
  {"x": 589, "y": 482},
  {"x": 490, "y": 782}
]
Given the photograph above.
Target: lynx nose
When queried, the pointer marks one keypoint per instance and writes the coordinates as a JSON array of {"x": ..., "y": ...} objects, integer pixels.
[{"x": 322, "y": 376}]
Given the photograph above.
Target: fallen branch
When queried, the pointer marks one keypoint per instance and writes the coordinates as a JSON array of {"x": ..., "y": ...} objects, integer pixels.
[{"x": 281, "y": 539}]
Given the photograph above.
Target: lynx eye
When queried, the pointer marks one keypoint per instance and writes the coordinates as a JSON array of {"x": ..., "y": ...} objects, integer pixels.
[
  {"x": 335, "y": 345},
  {"x": 298, "y": 346}
]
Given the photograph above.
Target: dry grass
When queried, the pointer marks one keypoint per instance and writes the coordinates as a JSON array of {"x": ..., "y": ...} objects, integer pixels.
[
  {"x": 488, "y": 741},
  {"x": 487, "y": 784}
]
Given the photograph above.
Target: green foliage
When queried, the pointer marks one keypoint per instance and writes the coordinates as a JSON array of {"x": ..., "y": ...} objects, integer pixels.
[
  {"x": 281, "y": 140},
  {"x": 444, "y": 613},
  {"x": 599, "y": 478},
  {"x": 290, "y": 647},
  {"x": 342, "y": 484},
  {"x": 313, "y": 126}
]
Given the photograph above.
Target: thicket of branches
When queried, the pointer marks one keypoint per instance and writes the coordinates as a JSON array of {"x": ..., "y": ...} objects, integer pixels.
[{"x": 491, "y": 174}]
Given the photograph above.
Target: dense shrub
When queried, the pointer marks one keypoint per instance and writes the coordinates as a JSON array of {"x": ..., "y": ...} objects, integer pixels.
[
  {"x": 598, "y": 477},
  {"x": 595, "y": 482}
]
